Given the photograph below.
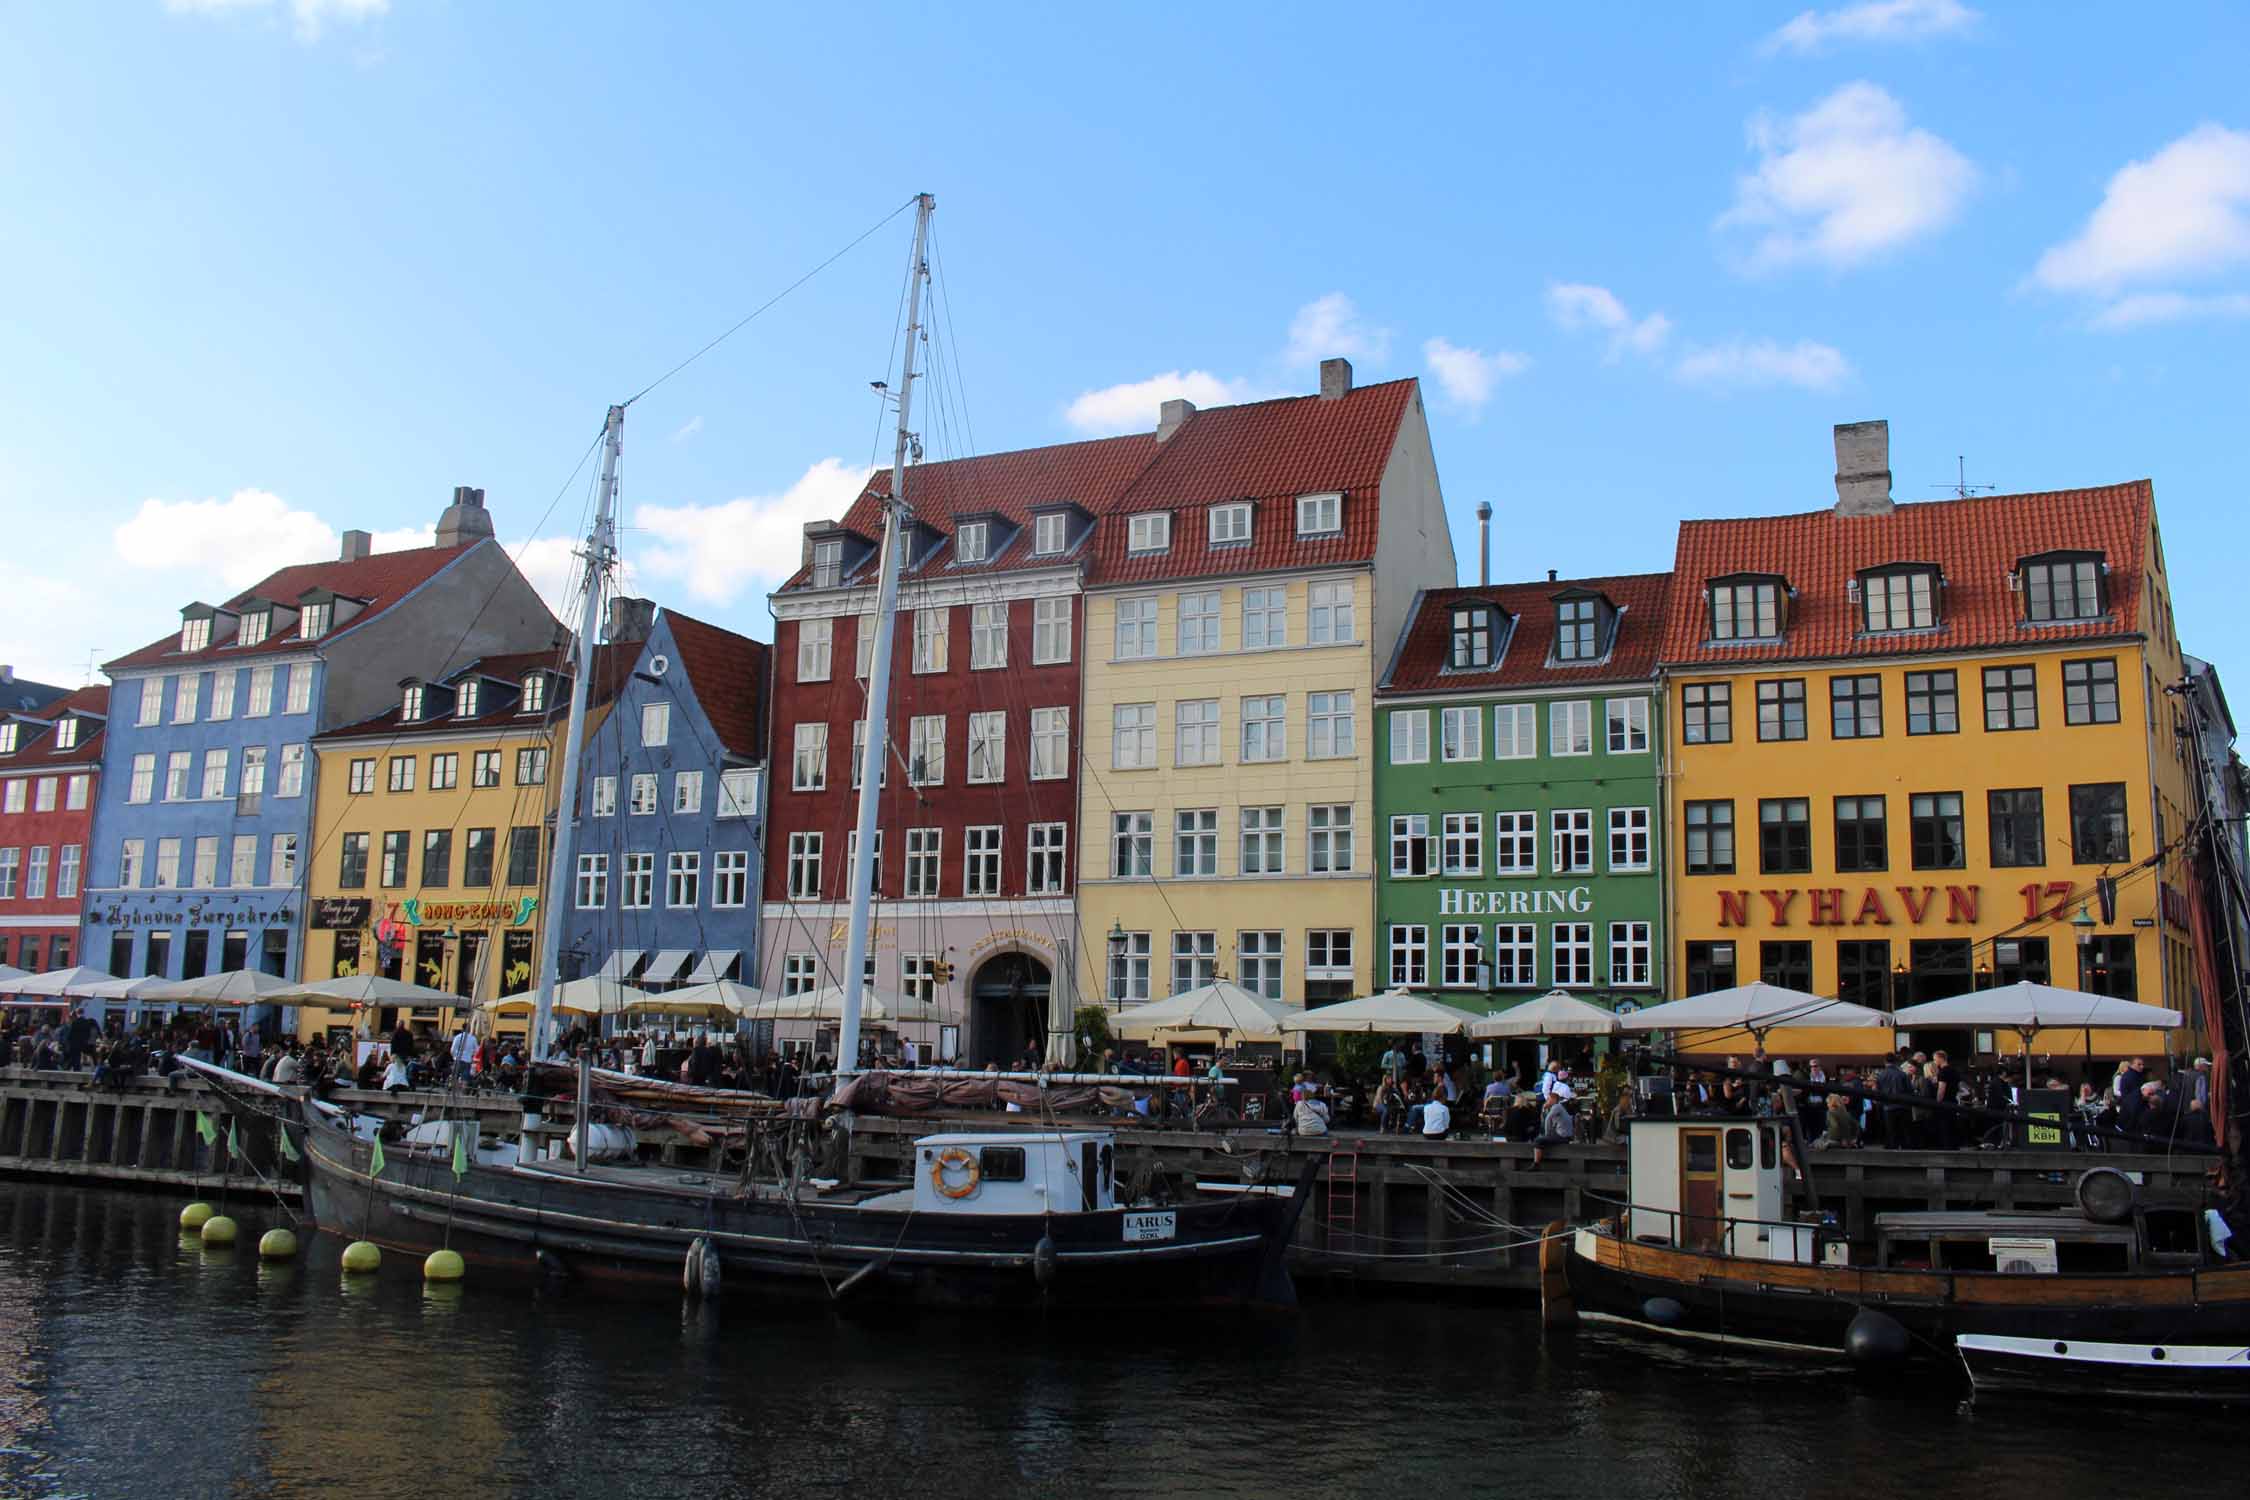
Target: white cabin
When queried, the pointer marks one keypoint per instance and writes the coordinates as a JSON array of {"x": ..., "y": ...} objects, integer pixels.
[
  {"x": 1015, "y": 1172},
  {"x": 1716, "y": 1185}
]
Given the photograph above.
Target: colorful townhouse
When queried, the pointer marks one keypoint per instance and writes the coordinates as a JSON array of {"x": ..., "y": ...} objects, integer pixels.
[
  {"x": 667, "y": 846},
  {"x": 203, "y": 828},
  {"x": 50, "y": 758},
  {"x": 1244, "y": 597},
  {"x": 977, "y": 838},
  {"x": 1920, "y": 748},
  {"x": 1518, "y": 795}
]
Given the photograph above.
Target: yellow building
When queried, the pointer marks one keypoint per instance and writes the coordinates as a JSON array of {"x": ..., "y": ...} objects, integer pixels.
[
  {"x": 1241, "y": 604},
  {"x": 432, "y": 825},
  {"x": 1919, "y": 749}
]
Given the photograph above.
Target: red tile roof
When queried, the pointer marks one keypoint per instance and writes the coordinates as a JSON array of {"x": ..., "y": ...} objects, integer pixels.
[
  {"x": 729, "y": 673},
  {"x": 382, "y": 579},
  {"x": 1266, "y": 452},
  {"x": 612, "y": 665},
  {"x": 1976, "y": 542},
  {"x": 40, "y": 753},
  {"x": 1427, "y": 641}
]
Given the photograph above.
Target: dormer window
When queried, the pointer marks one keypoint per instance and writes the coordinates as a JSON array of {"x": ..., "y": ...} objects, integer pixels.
[
  {"x": 465, "y": 699},
  {"x": 2061, "y": 586},
  {"x": 1892, "y": 599},
  {"x": 195, "y": 635},
  {"x": 1577, "y": 630},
  {"x": 1229, "y": 524},
  {"x": 1320, "y": 515},
  {"x": 1472, "y": 640},
  {"x": 972, "y": 542},
  {"x": 410, "y": 707},
  {"x": 1746, "y": 609},
  {"x": 253, "y": 628},
  {"x": 66, "y": 734},
  {"x": 534, "y": 694},
  {"x": 1149, "y": 532},
  {"x": 1049, "y": 533},
  {"x": 11, "y": 736},
  {"x": 827, "y": 564},
  {"x": 314, "y": 622}
]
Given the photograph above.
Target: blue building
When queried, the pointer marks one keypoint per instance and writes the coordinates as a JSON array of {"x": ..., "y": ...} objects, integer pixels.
[
  {"x": 203, "y": 824},
  {"x": 666, "y": 857}
]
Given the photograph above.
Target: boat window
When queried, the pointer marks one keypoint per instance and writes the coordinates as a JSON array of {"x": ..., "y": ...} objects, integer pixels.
[
  {"x": 1703, "y": 1151},
  {"x": 1965, "y": 1255},
  {"x": 1738, "y": 1150},
  {"x": 1766, "y": 1147},
  {"x": 2095, "y": 1257},
  {"x": 1001, "y": 1163},
  {"x": 1911, "y": 1253},
  {"x": 1109, "y": 1167},
  {"x": 2173, "y": 1231}
]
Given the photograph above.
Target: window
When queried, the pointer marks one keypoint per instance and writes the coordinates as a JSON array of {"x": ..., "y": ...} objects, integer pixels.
[
  {"x": 1710, "y": 967},
  {"x": 168, "y": 862},
  {"x": 1263, "y": 841},
  {"x": 863, "y": 645},
  {"x": 988, "y": 746},
  {"x": 972, "y": 541},
  {"x": 1461, "y": 734},
  {"x": 988, "y": 636},
  {"x": 642, "y": 795},
  {"x": 2063, "y": 587},
  {"x": 639, "y": 892},
  {"x": 1410, "y": 844},
  {"x": 445, "y": 773},
  {"x": 484, "y": 768},
  {"x": 1628, "y": 725},
  {"x": 35, "y": 868},
  {"x": 1461, "y": 956},
  {"x": 1195, "y": 732},
  {"x": 1863, "y": 973},
  {"x": 1328, "y": 838},
  {"x": 1195, "y": 960},
  {"x": 816, "y": 640},
  {"x": 2090, "y": 691},
  {"x": 195, "y": 635},
  {"x": 1628, "y": 839},
  {"x": 151, "y": 702},
  {"x": 1229, "y": 524},
  {"x": 1050, "y": 743},
  {"x": 1045, "y": 854},
  {"x": 2105, "y": 967},
  {"x": 66, "y": 872},
  {"x": 683, "y": 879},
  {"x": 1049, "y": 532},
  {"x": 1461, "y": 844},
  {"x": 253, "y": 628},
  {"x": 1128, "y": 970},
  {"x": 214, "y": 774},
  {"x": 1136, "y": 628},
  {"x": 206, "y": 862},
  {"x": 1259, "y": 957},
  {"x": 1711, "y": 837},
  {"x": 1265, "y": 618},
  {"x": 1784, "y": 835},
  {"x": 1515, "y": 843},
  {"x": 1050, "y": 631},
  {"x": 1198, "y": 616},
  {"x": 351, "y": 871},
  {"x": 222, "y": 701},
  {"x": 477, "y": 847},
  {"x": 1935, "y": 830},
  {"x": 16, "y": 795},
  {"x": 809, "y": 762},
  {"x": 465, "y": 700},
  {"x": 66, "y": 733},
  {"x": 1265, "y": 728},
  {"x": 395, "y": 846},
  {"x": 1574, "y": 953},
  {"x": 43, "y": 800},
  {"x": 313, "y": 623},
  {"x": 1515, "y": 731},
  {"x": 1787, "y": 964},
  {"x": 1570, "y": 728},
  {"x": 2018, "y": 819},
  {"x": 76, "y": 792},
  {"x": 1410, "y": 736},
  {"x": 437, "y": 856},
  {"x": 1574, "y": 630},
  {"x": 402, "y": 773},
  {"x": 2098, "y": 831},
  {"x": 300, "y": 689},
  {"x": 2011, "y": 698},
  {"x": 804, "y": 866},
  {"x": 1195, "y": 842},
  {"x": 925, "y": 750},
  {"x": 184, "y": 696},
  {"x": 411, "y": 703},
  {"x": 1410, "y": 956},
  {"x": 1472, "y": 639},
  {"x": 980, "y": 861},
  {"x": 1133, "y": 736},
  {"x": 1905, "y": 599},
  {"x": 1749, "y": 611},
  {"x": 1318, "y": 515},
  {"x": 178, "y": 767},
  {"x": 1515, "y": 955},
  {"x": 1572, "y": 830},
  {"x": 687, "y": 792},
  {"x": 1629, "y": 950},
  {"x": 1855, "y": 707},
  {"x": 1933, "y": 703},
  {"x": 800, "y": 974},
  {"x": 827, "y": 564},
  {"x": 2019, "y": 959},
  {"x": 738, "y": 792},
  {"x": 1328, "y": 613},
  {"x": 143, "y": 785},
  {"x": 1132, "y": 843},
  {"x": 656, "y": 725},
  {"x": 1151, "y": 532},
  {"x": 593, "y": 881},
  {"x": 1862, "y": 834},
  {"x": 1706, "y": 713},
  {"x": 730, "y": 877},
  {"x": 1781, "y": 709}
]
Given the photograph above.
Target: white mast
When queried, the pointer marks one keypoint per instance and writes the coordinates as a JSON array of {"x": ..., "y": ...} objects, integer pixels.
[
  {"x": 877, "y": 746},
  {"x": 601, "y": 556}
]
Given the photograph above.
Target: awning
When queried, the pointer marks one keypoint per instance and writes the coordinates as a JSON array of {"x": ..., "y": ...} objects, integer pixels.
[
  {"x": 666, "y": 966},
  {"x": 621, "y": 961},
  {"x": 714, "y": 966}
]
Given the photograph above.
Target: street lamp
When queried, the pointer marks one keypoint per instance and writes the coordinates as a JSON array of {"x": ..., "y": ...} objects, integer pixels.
[
  {"x": 1117, "y": 959},
  {"x": 2085, "y": 924}
]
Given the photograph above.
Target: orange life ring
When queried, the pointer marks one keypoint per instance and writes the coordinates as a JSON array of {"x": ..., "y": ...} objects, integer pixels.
[{"x": 952, "y": 1159}]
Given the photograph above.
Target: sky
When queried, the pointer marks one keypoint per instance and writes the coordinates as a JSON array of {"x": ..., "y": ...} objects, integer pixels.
[{"x": 277, "y": 268}]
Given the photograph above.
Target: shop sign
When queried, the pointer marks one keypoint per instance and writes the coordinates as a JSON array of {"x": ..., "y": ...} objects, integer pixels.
[
  {"x": 420, "y": 913},
  {"x": 1455, "y": 901},
  {"x": 999, "y": 935},
  {"x": 340, "y": 913},
  {"x": 1833, "y": 906},
  {"x": 196, "y": 913}
]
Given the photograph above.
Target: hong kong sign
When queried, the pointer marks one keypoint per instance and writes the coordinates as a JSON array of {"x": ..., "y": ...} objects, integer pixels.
[{"x": 420, "y": 913}]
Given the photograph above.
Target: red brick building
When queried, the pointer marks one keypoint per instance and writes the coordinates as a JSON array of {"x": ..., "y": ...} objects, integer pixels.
[{"x": 49, "y": 758}]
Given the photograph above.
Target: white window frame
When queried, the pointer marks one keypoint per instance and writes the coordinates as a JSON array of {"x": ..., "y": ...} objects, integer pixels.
[
  {"x": 925, "y": 750},
  {"x": 1331, "y": 726},
  {"x": 816, "y": 648},
  {"x": 1571, "y": 954},
  {"x": 297, "y": 697},
  {"x": 687, "y": 793},
  {"x": 195, "y": 635},
  {"x": 1230, "y": 524},
  {"x": 1570, "y": 727},
  {"x": 1461, "y": 847},
  {"x": 641, "y": 799},
  {"x": 222, "y": 695},
  {"x": 804, "y": 866},
  {"x": 1195, "y": 732},
  {"x": 1460, "y": 955},
  {"x": 1129, "y": 970},
  {"x": 1515, "y": 843},
  {"x": 637, "y": 889},
  {"x": 988, "y": 747},
  {"x": 1571, "y": 841},
  {"x": 1627, "y": 725},
  {"x": 1132, "y": 845},
  {"x": 1410, "y": 847},
  {"x": 591, "y": 888},
  {"x": 1629, "y": 827},
  {"x": 1133, "y": 737},
  {"x": 186, "y": 696},
  {"x": 1264, "y": 848},
  {"x": 932, "y": 630},
  {"x": 1265, "y": 728},
  {"x": 1410, "y": 955},
  {"x": 1515, "y": 955},
  {"x": 142, "y": 787},
  {"x": 972, "y": 541},
  {"x": 1195, "y": 842},
  {"x": 1329, "y": 838},
  {"x": 1330, "y": 612},
  {"x": 1050, "y": 533},
  {"x": 1410, "y": 736},
  {"x": 730, "y": 878},
  {"x": 1265, "y": 618},
  {"x": 604, "y": 801},
  {"x": 981, "y": 863},
  {"x": 1515, "y": 731},
  {"x": 1328, "y": 952},
  {"x": 1461, "y": 734},
  {"x": 1196, "y": 630},
  {"x": 1136, "y": 627},
  {"x": 925, "y": 860},
  {"x": 1050, "y": 744},
  {"x": 281, "y": 865},
  {"x": 1630, "y": 953},
  {"x": 683, "y": 879},
  {"x": 1149, "y": 532},
  {"x": 1320, "y": 515},
  {"x": 800, "y": 973},
  {"x": 656, "y": 725},
  {"x": 1260, "y": 958},
  {"x": 1050, "y": 631},
  {"x": 988, "y": 637},
  {"x": 828, "y": 563},
  {"x": 1047, "y": 859},
  {"x": 1195, "y": 958},
  {"x": 808, "y": 760}
]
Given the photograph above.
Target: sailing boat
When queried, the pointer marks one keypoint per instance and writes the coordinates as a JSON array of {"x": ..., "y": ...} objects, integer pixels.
[{"x": 988, "y": 1218}]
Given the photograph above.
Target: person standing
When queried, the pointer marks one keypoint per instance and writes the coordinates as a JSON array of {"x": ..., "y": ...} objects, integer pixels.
[{"x": 464, "y": 1057}]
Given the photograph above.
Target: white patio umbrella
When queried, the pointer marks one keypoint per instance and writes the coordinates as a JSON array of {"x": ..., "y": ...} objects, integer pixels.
[
  {"x": 227, "y": 987},
  {"x": 2026, "y": 1007},
  {"x": 1555, "y": 1013},
  {"x": 1393, "y": 1010},
  {"x": 76, "y": 981},
  {"x": 876, "y": 1007},
  {"x": 1223, "y": 1006},
  {"x": 1757, "y": 1008},
  {"x": 590, "y": 996},
  {"x": 9, "y": 974},
  {"x": 124, "y": 989},
  {"x": 717, "y": 997},
  {"x": 368, "y": 989}
]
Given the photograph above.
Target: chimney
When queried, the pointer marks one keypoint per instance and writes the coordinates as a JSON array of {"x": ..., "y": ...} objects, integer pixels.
[
  {"x": 1863, "y": 469},
  {"x": 1550, "y": 575},
  {"x": 1484, "y": 544},
  {"x": 465, "y": 520},
  {"x": 357, "y": 544},
  {"x": 1171, "y": 417},
  {"x": 1335, "y": 379},
  {"x": 630, "y": 619}
]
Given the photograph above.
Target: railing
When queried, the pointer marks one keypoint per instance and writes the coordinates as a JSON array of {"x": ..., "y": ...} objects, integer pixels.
[{"x": 1728, "y": 1226}]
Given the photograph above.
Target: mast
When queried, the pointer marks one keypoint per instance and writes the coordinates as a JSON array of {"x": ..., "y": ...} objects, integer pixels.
[
  {"x": 601, "y": 555},
  {"x": 877, "y": 738}
]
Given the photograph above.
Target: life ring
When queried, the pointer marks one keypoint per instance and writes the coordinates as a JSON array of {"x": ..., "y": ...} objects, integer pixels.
[{"x": 952, "y": 1159}]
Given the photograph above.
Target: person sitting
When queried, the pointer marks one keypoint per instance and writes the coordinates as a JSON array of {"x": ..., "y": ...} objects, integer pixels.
[
  {"x": 1437, "y": 1118},
  {"x": 1390, "y": 1109},
  {"x": 398, "y": 1077},
  {"x": 370, "y": 1071},
  {"x": 1842, "y": 1127},
  {"x": 1310, "y": 1113},
  {"x": 1556, "y": 1126}
]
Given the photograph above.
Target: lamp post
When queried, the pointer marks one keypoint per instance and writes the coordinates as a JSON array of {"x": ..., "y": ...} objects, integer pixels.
[
  {"x": 1117, "y": 959},
  {"x": 2084, "y": 924},
  {"x": 1898, "y": 981}
]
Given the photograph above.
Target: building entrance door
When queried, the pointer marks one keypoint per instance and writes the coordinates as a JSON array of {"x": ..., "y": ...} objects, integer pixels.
[{"x": 1008, "y": 1010}]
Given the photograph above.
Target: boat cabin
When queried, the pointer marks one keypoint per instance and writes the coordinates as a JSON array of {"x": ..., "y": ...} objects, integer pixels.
[
  {"x": 1015, "y": 1172},
  {"x": 1714, "y": 1185},
  {"x": 2016, "y": 1243}
]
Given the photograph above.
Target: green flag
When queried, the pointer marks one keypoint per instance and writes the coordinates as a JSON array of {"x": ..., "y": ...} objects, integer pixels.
[
  {"x": 375, "y": 1165},
  {"x": 288, "y": 1146},
  {"x": 233, "y": 1147},
  {"x": 206, "y": 1127},
  {"x": 461, "y": 1151}
]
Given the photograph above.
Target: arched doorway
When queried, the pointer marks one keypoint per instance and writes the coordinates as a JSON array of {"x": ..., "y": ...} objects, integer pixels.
[{"x": 1008, "y": 1009}]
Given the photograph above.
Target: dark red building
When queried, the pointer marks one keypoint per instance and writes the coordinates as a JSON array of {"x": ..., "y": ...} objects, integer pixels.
[{"x": 49, "y": 757}]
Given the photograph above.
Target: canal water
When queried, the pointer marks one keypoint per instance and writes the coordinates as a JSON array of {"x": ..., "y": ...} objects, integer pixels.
[{"x": 133, "y": 1362}]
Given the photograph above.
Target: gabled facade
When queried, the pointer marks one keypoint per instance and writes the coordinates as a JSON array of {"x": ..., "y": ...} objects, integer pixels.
[
  {"x": 1520, "y": 814},
  {"x": 50, "y": 759}
]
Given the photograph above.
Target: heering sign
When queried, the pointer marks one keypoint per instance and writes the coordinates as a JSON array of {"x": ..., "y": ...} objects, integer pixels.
[{"x": 1456, "y": 901}]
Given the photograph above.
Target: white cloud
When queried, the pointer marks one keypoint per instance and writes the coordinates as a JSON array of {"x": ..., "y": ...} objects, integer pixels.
[
  {"x": 687, "y": 429},
  {"x": 1468, "y": 376},
  {"x": 238, "y": 540},
  {"x": 1133, "y": 405},
  {"x": 403, "y": 539},
  {"x": 2144, "y": 308},
  {"x": 1578, "y": 305},
  {"x": 310, "y": 16},
  {"x": 1844, "y": 182},
  {"x": 1815, "y": 31},
  {"x": 1330, "y": 327},
  {"x": 1763, "y": 362},
  {"x": 716, "y": 552},
  {"x": 2183, "y": 212}
]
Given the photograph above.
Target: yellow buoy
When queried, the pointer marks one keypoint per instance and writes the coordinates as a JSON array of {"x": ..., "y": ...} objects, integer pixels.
[
  {"x": 362, "y": 1255},
  {"x": 443, "y": 1265},
  {"x": 277, "y": 1244},
  {"x": 218, "y": 1230},
  {"x": 194, "y": 1215}
]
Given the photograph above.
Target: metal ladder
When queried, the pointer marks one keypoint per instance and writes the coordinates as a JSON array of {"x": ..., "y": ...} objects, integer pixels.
[{"x": 1343, "y": 1194}]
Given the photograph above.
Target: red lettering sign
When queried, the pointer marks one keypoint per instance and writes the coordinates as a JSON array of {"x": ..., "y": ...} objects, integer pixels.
[
  {"x": 1962, "y": 902},
  {"x": 1828, "y": 907},
  {"x": 1872, "y": 909},
  {"x": 1916, "y": 910},
  {"x": 1734, "y": 908},
  {"x": 2052, "y": 899},
  {"x": 1780, "y": 901}
]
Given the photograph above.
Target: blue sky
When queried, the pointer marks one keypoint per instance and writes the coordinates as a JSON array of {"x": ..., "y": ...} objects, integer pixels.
[{"x": 280, "y": 267}]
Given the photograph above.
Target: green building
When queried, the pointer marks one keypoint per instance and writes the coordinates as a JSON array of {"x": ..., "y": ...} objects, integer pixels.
[{"x": 1517, "y": 796}]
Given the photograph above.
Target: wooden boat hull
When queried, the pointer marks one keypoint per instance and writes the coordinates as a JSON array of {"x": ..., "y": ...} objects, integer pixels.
[{"x": 2045, "y": 1368}]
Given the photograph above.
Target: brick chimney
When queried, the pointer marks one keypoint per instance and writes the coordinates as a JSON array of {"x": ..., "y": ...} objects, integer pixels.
[
  {"x": 630, "y": 619},
  {"x": 1335, "y": 379},
  {"x": 465, "y": 520},
  {"x": 357, "y": 544},
  {"x": 1863, "y": 469},
  {"x": 1171, "y": 417}
]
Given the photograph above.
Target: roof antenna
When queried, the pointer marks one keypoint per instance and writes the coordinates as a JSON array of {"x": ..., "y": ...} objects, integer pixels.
[{"x": 1960, "y": 485}]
